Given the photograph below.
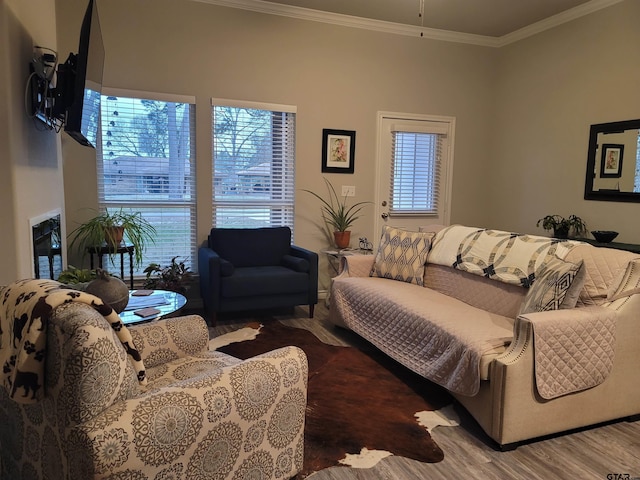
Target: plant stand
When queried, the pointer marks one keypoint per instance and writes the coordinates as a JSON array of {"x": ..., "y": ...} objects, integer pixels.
[{"x": 121, "y": 250}]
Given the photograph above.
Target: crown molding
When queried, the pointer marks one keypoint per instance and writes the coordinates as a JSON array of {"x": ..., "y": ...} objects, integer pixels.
[
  {"x": 301, "y": 13},
  {"x": 556, "y": 20}
]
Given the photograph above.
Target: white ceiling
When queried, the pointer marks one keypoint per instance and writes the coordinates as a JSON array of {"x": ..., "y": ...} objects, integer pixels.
[
  {"x": 489, "y": 19},
  {"x": 493, "y": 18}
]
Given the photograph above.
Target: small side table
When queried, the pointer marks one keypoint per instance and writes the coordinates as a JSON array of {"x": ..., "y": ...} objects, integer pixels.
[
  {"x": 334, "y": 256},
  {"x": 163, "y": 300},
  {"x": 121, "y": 250}
]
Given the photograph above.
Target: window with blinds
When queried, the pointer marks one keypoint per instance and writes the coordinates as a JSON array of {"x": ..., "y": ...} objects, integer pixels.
[
  {"x": 416, "y": 163},
  {"x": 146, "y": 163},
  {"x": 253, "y": 164}
]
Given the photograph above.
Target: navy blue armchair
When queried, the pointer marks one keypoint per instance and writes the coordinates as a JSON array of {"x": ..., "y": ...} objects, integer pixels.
[{"x": 255, "y": 268}]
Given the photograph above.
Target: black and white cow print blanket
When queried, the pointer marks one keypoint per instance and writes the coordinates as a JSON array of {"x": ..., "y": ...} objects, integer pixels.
[{"x": 25, "y": 310}]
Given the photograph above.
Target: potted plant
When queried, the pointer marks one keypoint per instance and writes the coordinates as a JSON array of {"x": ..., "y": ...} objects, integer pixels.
[
  {"x": 79, "y": 278},
  {"x": 336, "y": 214},
  {"x": 563, "y": 226},
  {"x": 175, "y": 277},
  {"x": 110, "y": 228}
]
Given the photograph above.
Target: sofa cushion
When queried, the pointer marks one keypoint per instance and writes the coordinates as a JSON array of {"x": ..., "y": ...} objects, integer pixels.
[
  {"x": 256, "y": 281},
  {"x": 402, "y": 255},
  {"x": 500, "y": 298},
  {"x": 550, "y": 286},
  {"x": 245, "y": 247},
  {"x": 451, "y": 343}
]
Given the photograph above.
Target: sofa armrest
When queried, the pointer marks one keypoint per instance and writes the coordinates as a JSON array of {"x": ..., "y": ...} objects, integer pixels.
[
  {"x": 356, "y": 265},
  {"x": 209, "y": 271},
  {"x": 312, "y": 258},
  {"x": 248, "y": 411},
  {"x": 182, "y": 336},
  {"x": 523, "y": 328}
]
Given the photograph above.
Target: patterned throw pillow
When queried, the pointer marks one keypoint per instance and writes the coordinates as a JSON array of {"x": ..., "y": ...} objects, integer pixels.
[
  {"x": 402, "y": 255},
  {"x": 551, "y": 286}
]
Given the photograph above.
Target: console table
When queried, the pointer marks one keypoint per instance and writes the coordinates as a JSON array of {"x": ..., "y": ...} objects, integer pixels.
[
  {"x": 629, "y": 247},
  {"x": 121, "y": 250}
]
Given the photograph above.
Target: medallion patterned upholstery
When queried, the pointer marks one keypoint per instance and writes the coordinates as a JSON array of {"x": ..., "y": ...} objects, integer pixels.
[{"x": 202, "y": 414}]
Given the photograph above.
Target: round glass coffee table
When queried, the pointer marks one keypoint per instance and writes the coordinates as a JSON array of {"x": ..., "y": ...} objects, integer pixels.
[{"x": 147, "y": 305}]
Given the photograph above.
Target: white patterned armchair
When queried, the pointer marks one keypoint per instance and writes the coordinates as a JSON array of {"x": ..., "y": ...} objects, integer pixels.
[{"x": 201, "y": 415}]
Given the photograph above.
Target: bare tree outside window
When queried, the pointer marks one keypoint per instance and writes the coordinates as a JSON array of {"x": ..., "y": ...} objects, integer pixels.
[
  {"x": 146, "y": 164},
  {"x": 253, "y": 160}
]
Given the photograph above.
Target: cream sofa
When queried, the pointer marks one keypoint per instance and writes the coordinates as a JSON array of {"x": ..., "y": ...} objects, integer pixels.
[
  {"x": 189, "y": 413},
  {"x": 531, "y": 335}
]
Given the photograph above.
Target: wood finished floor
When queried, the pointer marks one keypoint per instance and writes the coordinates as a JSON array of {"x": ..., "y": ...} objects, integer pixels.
[{"x": 592, "y": 453}]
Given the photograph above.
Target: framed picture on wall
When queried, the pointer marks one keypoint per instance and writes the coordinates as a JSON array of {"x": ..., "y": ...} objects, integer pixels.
[
  {"x": 611, "y": 161},
  {"x": 338, "y": 151}
]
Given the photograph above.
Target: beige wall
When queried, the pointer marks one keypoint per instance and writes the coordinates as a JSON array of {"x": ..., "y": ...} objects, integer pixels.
[
  {"x": 337, "y": 77},
  {"x": 31, "y": 180},
  {"x": 523, "y": 111},
  {"x": 552, "y": 87}
]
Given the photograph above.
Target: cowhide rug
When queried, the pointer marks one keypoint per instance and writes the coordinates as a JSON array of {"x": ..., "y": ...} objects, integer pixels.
[{"x": 361, "y": 405}]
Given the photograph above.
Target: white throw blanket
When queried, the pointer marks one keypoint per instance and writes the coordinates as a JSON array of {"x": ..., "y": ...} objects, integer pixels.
[
  {"x": 503, "y": 256},
  {"x": 26, "y": 308}
]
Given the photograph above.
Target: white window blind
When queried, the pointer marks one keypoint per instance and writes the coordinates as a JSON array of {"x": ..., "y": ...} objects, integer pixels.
[
  {"x": 146, "y": 163},
  {"x": 253, "y": 164},
  {"x": 416, "y": 164}
]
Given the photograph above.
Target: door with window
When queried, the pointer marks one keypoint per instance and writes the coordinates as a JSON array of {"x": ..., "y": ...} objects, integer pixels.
[{"x": 415, "y": 157}]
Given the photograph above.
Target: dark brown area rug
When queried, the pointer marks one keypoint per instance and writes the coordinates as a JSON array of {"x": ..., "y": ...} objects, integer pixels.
[{"x": 356, "y": 399}]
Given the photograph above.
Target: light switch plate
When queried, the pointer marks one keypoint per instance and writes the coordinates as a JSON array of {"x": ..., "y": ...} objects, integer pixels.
[{"x": 348, "y": 190}]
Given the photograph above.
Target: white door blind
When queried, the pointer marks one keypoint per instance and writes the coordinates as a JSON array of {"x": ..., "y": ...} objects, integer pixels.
[
  {"x": 253, "y": 165},
  {"x": 146, "y": 164},
  {"x": 416, "y": 163}
]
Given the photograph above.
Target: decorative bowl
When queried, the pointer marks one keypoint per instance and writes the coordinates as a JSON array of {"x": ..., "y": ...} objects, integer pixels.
[{"x": 604, "y": 236}]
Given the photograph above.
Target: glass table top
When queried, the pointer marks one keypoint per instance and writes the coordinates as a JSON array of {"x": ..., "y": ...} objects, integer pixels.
[{"x": 146, "y": 305}]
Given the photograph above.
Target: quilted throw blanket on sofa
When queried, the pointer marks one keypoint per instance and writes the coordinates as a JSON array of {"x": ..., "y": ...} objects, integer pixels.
[
  {"x": 26, "y": 308},
  {"x": 503, "y": 256}
]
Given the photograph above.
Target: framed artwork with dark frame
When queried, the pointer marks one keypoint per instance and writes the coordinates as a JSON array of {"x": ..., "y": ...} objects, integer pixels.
[
  {"x": 611, "y": 160},
  {"x": 338, "y": 151}
]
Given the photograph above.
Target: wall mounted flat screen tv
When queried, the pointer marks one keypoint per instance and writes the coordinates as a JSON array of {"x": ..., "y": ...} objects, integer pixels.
[
  {"x": 74, "y": 103},
  {"x": 83, "y": 111}
]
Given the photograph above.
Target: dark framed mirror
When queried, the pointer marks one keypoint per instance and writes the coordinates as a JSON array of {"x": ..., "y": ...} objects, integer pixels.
[{"x": 613, "y": 162}]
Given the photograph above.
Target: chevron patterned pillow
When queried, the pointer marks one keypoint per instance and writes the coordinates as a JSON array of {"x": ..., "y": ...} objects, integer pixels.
[
  {"x": 402, "y": 255},
  {"x": 550, "y": 286}
]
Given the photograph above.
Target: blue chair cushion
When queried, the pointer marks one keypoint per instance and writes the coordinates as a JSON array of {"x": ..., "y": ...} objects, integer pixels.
[
  {"x": 255, "y": 281},
  {"x": 245, "y": 247}
]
